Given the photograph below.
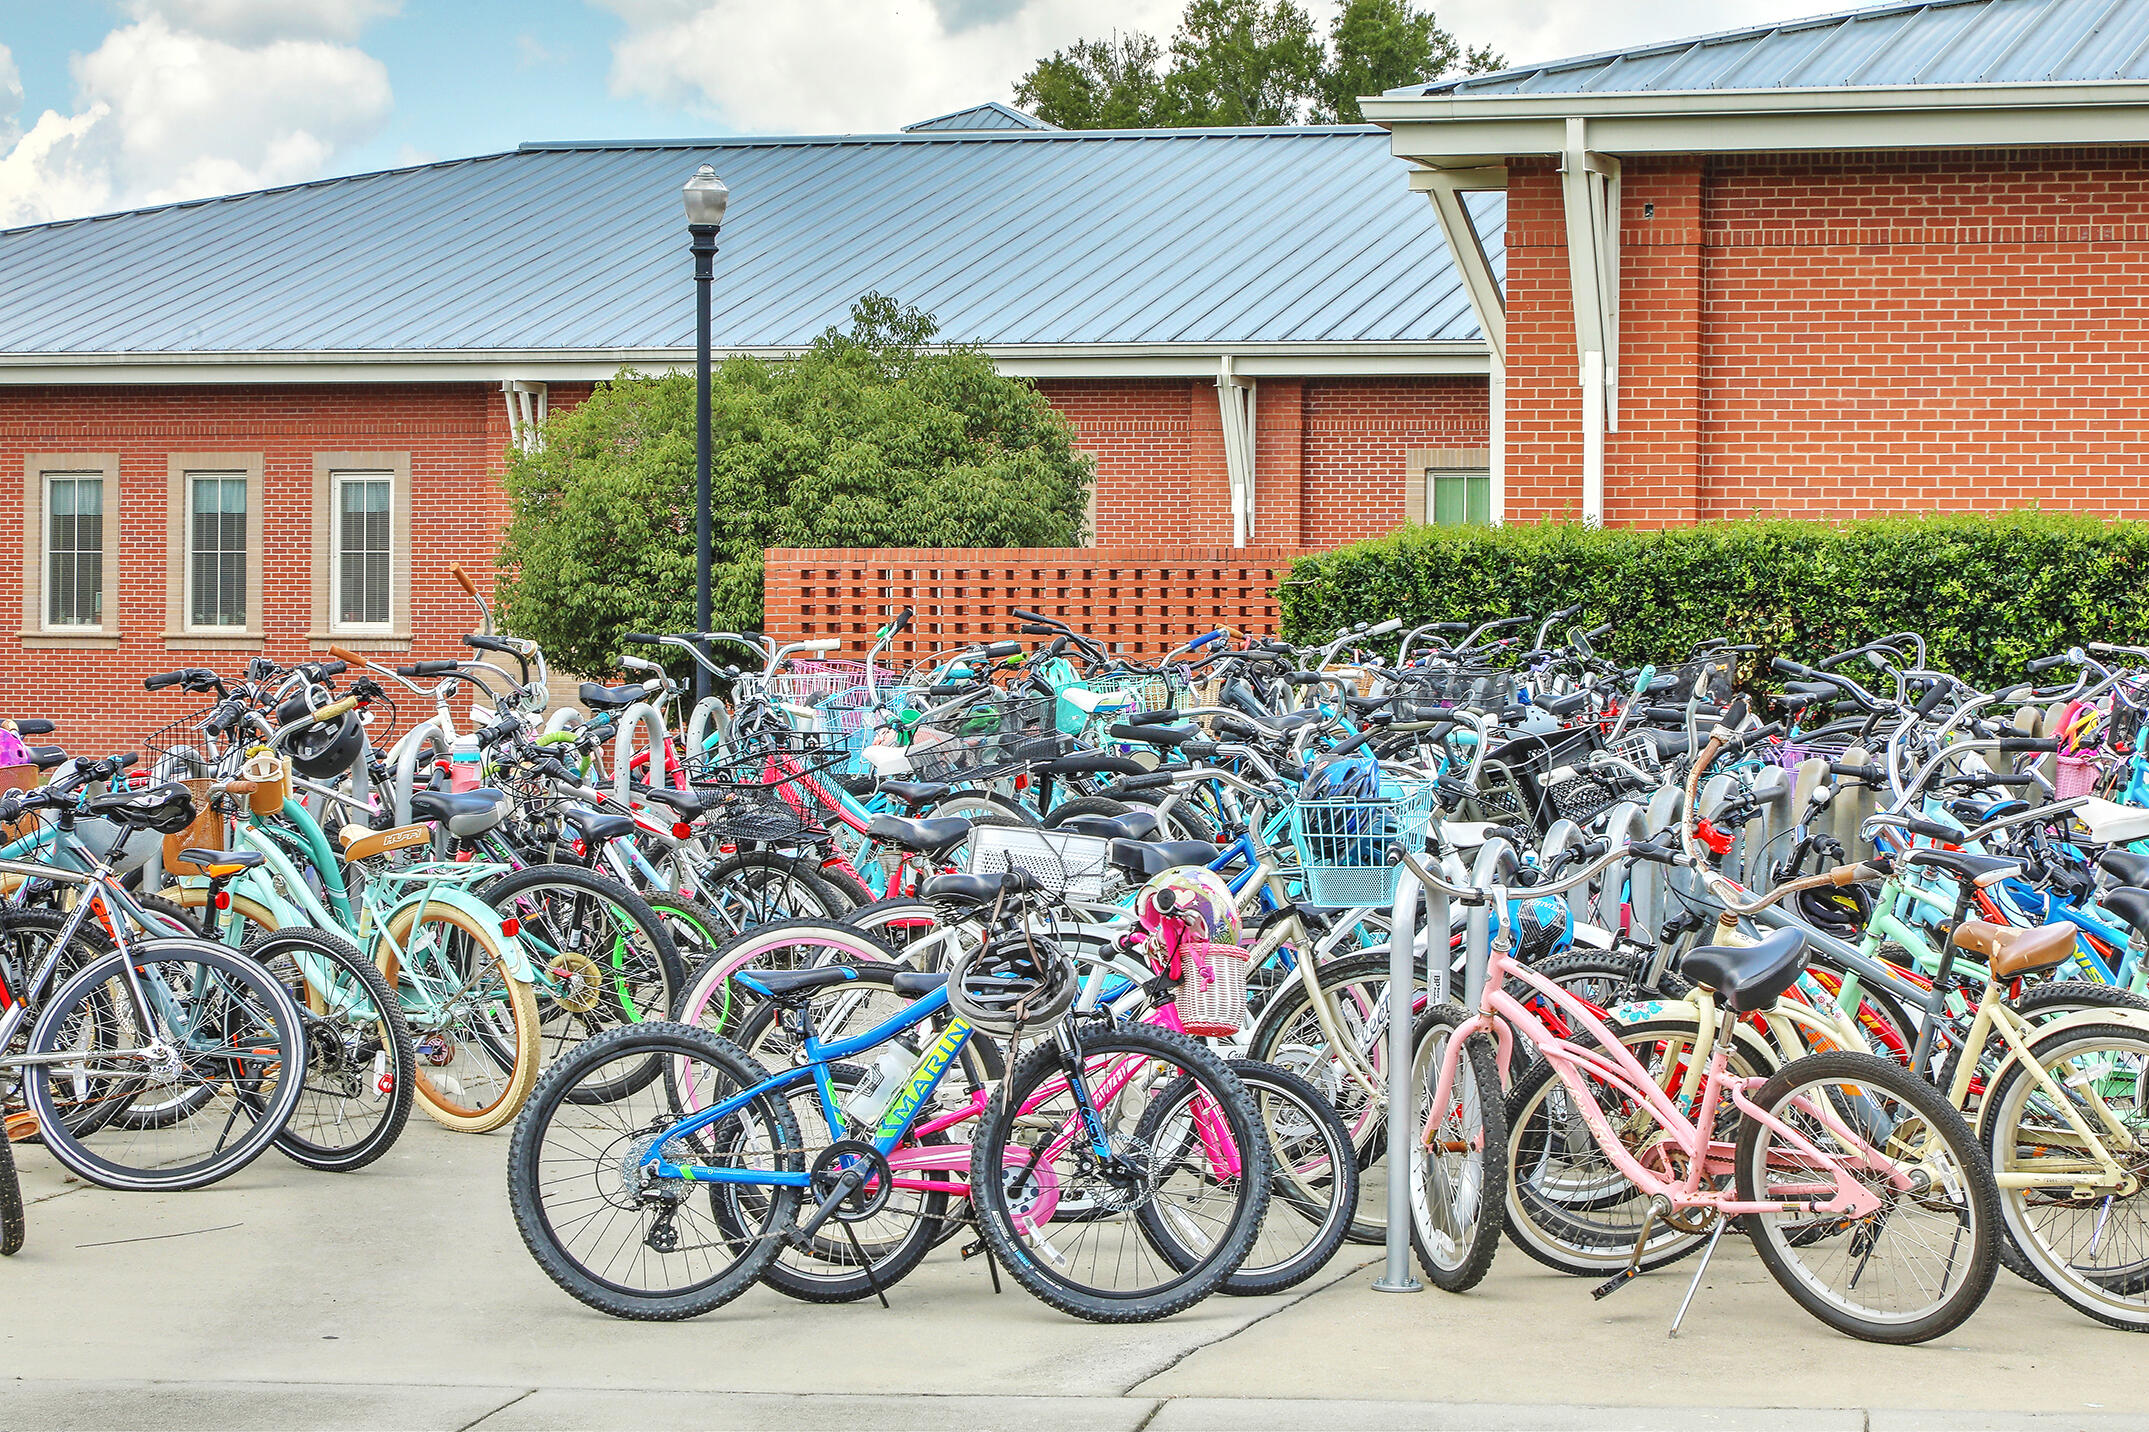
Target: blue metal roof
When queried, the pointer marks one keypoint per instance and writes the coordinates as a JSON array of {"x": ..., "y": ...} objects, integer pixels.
[
  {"x": 990, "y": 115},
  {"x": 1926, "y": 42},
  {"x": 1013, "y": 237}
]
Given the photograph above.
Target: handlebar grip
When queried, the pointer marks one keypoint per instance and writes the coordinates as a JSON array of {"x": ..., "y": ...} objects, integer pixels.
[
  {"x": 1151, "y": 718},
  {"x": 1858, "y": 773},
  {"x": 1038, "y": 629},
  {"x": 1565, "y": 612},
  {"x": 1650, "y": 851},
  {"x": 1154, "y": 781},
  {"x": 1024, "y": 614},
  {"x": 1393, "y": 624},
  {"x": 163, "y": 679},
  {"x": 950, "y": 688},
  {"x": 490, "y": 643},
  {"x": 346, "y": 655},
  {"x": 2045, "y": 663},
  {"x": 427, "y": 668},
  {"x": 1933, "y": 830},
  {"x": 335, "y": 708},
  {"x": 1735, "y": 716},
  {"x": 902, "y": 620},
  {"x": 1784, "y": 666},
  {"x": 994, "y": 650},
  {"x": 640, "y": 638},
  {"x": 2012, "y": 744},
  {"x": 1931, "y": 700},
  {"x": 462, "y": 579},
  {"x": 333, "y": 668}
]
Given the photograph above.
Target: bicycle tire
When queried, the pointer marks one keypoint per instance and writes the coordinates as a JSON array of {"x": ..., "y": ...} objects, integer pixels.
[
  {"x": 1295, "y": 1181},
  {"x": 671, "y": 1045},
  {"x": 1791, "y": 1252},
  {"x": 1456, "y": 1258},
  {"x": 14, "y": 1227},
  {"x": 254, "y": 1063},
  {"x": 343, "y": 1065},
  {"x": 992, "y": 1156},
  {"x": 515, "y": 1055}
]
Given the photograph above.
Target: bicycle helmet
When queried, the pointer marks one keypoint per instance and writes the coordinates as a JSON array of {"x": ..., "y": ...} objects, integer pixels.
[
  {"x": 1013, "y": 980},
  {"x": 1841, "y": 911},
  {"x": 1544, "y": 925},
  {"x": 1343, "y": 778},
  {"x": 1189, "y": 905},
  {"x": 325, "y": 749}
]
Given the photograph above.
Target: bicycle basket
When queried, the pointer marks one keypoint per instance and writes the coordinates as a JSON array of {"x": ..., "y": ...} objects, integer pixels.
[
  {"x": 1343, "y": 844},
  {"x": 1151, "y": 690},
  {"x": 204, "y": 832},
  {"x": 1582, "y": 799},
  {"x": 1212, "y": 990},
  {"x": 2075, "y": 776},
  {"x": 1077, "y": 867}
]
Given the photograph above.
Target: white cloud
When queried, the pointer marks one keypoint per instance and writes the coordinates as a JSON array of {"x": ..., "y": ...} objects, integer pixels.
[
  {"x": 813, "y": 66},
  {"x": 1532, "y": 30},
  {"x": 164, "y": 113},
  {"x": 257, "y": 20}
]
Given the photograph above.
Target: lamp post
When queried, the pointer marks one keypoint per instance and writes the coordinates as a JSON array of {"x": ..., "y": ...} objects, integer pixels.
[{"x": 705, "y": 196}]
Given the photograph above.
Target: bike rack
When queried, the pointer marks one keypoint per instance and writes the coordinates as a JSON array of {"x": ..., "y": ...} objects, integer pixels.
[
  {"x": 409, "y": 752},
  {"x": 651, "y": 720},
  {"x": 1622, "y": 827}
]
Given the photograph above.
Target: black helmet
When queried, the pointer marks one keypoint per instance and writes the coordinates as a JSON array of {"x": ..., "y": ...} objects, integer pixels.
[
  {"x": 1841, "y": 911},
  {"x": 166, "y": 809},
  {"x": 325, "y": 749}
]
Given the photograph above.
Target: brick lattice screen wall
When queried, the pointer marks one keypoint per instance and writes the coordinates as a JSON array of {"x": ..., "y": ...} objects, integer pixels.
[{"x": 1136, "y": 601}]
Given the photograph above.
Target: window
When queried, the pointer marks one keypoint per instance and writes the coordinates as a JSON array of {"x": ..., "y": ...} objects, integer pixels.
[
  {"x": 362, "y": 581},
  {"x": 1458, "y": 497},
  {"x": 74, "y": 551},
  {"x": 216, "y": 550}
]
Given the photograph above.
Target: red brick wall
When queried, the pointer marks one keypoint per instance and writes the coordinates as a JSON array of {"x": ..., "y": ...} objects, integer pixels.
[
  {"x": 1137, "y": 601},
  {"x": 452, "y": 432},
  {"x": 1329, "y": 463},
  {"x": 1842, "y": 334}
]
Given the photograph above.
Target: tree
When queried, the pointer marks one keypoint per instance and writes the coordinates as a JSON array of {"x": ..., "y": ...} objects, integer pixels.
[
  {"x": 1379, "y": 45},
  {"x": 1247, "y": 62},
  {"x": 875, "y": 437},
  {"x": 1100, "y": 84}
]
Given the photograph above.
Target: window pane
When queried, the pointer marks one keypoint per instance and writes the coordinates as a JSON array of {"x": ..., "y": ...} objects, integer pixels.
[
  {"x": 217, "y": 566},
  {"x": 1459, "y": 497},
  {"x": 1481, "y": 499},
  {"x": 363, "y": 544},
  {"x": 74, "y": 551}
]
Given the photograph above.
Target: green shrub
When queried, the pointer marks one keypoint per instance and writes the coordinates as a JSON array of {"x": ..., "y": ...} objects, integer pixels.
[{"x": 1987, "y": 593}]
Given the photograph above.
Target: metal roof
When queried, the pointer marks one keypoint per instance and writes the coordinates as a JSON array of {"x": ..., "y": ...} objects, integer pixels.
[
  {"x": 990, "y": 115},
  {"x": 1014, "y": 237},
  {"x": 1925, "y": 42}
]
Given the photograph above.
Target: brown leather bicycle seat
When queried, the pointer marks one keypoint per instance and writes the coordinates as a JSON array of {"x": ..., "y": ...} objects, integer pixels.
[
  {"x": 360, "y": 843},
  {"x": 2010, "y": 950}
]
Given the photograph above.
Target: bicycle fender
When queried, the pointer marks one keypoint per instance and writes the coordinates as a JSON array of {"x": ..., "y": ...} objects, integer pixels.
[{"x": 511, "y": 947}]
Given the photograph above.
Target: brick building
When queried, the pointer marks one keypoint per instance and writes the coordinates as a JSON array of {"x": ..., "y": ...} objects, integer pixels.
[{"x": 1891, "y": 259}]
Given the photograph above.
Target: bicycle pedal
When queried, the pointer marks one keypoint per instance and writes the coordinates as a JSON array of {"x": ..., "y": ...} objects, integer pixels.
[
  {"x": 1614, "y": 1283},
  {"x": 971, "y": 1250}
]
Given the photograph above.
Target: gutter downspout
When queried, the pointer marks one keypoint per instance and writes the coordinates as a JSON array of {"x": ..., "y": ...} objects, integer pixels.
[
  {"x": 1235, "y": 399},
  {"x": 1445, "y": 187},
  {"x": 1589, "y": 185}
]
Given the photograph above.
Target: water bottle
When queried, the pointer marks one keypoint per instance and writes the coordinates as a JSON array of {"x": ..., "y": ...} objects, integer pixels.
[
  {"x": 878, "y": 1089},
  {"x": 463, "y": 764}
]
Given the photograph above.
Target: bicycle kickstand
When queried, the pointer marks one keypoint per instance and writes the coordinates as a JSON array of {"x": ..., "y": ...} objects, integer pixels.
[{"x": 1694, "y": 1287}]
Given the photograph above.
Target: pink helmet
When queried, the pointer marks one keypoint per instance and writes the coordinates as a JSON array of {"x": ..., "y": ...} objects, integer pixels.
[{"x": 1189, "y": 905}]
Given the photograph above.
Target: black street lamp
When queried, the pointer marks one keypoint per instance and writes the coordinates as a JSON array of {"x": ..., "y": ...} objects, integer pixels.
[{"x": 705, "y": 199}]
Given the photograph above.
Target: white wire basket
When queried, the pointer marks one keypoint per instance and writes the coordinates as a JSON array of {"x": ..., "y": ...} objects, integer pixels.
[{"x": 1076, "y": 866}]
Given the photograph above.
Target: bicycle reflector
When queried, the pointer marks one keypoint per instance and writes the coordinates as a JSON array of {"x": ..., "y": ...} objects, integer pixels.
[
  {"x": 681, "y": 830},
  {"x": 511, "y": 927}
]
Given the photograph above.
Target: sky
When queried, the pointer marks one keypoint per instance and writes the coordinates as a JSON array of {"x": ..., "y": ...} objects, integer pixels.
[{"x": 115, "y": 104}]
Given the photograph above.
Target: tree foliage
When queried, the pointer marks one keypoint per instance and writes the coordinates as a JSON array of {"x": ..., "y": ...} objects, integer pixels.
[
  {"x": 876, "y": 437},
  {"x": 1988, "y": 593},
  {"x": 1247, "y": 62}
]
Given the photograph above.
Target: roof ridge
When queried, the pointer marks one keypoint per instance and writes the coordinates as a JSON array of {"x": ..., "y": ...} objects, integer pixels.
[{"x": 954, "y": 136}]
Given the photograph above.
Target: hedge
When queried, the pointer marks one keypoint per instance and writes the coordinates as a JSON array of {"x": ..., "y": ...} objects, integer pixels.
[{"x": 1988, "y": 593}]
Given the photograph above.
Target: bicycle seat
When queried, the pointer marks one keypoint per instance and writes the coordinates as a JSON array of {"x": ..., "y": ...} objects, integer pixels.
[
  {"x": 1134, "y": 825},
  {"x": 1143, "y": 858},
  {"x": 1090, "y": 763},
  {"x": 1979, "y": 870},
  {"x": 2109, "y": 823},
  {"x": 794, "y": 984},
  {"x": 361, "y": 842},
  {"x": 975, "y": 889},
  {"x": 610, "y": 698},
  {"x": 221, "y": 864},
  {"x": 915, "y": 984},
  {"x": 2010, "y": 950},
  {"x": 2125, "y": 866},
  {"x": 687, "y": 802},
  {"x": 463, "y": 812},
  {"x": 929, "y": 837},
  {"x": 2129, "y": 904},
  {"x": 597, "y": 826},
  {"x": 1154, "y": 735},
  {"x": 1747, "y": 978},
  {"x": 915, "y": 793}
]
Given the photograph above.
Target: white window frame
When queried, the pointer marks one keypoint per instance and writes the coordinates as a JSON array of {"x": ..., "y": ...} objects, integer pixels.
[
  {"x": 249, "y": 619},
  {"x": 1422, "y": 466},
  {"x": 46, "y": 553},
  {"x": 337, "y": 482}
]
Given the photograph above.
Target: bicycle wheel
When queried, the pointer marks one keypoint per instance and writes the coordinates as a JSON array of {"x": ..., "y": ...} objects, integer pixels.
[
  {"x": 13, "y": 1227},
  {"x": 222, "y": 1040},
  {"x": 1918, "y": 1265},
  {"x": 1290, "y": 1035},
  {"x": 26, "y": 941},
  {"x": 761, "y": 887},
  {"x": 607, "y": 960},
  {"x": 360, "y": 1067},
  {"x": 1458, "y": 1162},
  {"x": 473, "y": 1024},
  {"x": 1034, "y": 1154},
  {"x": 694, "y": 931},
  {"x": 710, "y": 1001},
  {"x": 2083, "y": 1237},
  {"x": 1568, "y": 1205},
  {"x": 1313, "y": 1182},
  {"x": 629, "y": 1244}
]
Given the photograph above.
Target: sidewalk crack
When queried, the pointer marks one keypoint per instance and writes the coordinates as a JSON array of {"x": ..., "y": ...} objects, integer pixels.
[{"x": 495, "y": 1412}]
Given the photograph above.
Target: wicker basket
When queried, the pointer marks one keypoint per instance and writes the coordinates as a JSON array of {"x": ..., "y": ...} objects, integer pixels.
[
  {"x": 206, "y": 832},
  {"x": 2075, "y": 776},
  {"x": 1212, "y": 990}
]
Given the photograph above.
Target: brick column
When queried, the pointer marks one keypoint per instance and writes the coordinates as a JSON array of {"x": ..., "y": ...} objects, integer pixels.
[
  {"x": 1279, "y": 462},
  {"x": 1204, "y": 513},
  {"x": 1652, "y": 464},
  {"x": 1544, "y": 397}
]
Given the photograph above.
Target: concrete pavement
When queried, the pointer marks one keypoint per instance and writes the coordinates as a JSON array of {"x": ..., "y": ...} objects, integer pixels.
[{"x": 401, "y": 1296}]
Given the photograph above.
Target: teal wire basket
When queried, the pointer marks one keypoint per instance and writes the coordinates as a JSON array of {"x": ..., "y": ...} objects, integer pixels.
[{"x": 1344, "y": 846}]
